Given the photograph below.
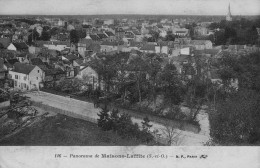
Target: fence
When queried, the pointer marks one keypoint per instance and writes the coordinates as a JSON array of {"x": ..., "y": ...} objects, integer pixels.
[{"x": 64, "y": 112}]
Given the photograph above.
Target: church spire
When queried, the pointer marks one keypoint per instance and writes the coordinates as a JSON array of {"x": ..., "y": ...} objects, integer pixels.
[{"x": 229, "y": 17}]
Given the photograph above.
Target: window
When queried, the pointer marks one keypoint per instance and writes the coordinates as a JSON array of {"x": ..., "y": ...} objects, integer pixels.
[
  {"x": 16, "y": 76},
  {"x": 15, "y": 83},
  {"x": 38, "y": 71}
]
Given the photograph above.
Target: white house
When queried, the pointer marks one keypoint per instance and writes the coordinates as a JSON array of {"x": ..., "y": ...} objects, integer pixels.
[
  {"x": 26, "y": 77},
  {"x": 201, "y": 44},
  {"x": 180, "y": 31},
  {"x": 57, "y": 45},
  {"x": 185, "y": 51},
  {"x": 108, "y": 46},
  {"x": 161, "y": 49}
]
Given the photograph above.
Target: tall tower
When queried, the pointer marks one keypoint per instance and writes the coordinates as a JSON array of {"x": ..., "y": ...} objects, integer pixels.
[{"x": 229, "y": 17}]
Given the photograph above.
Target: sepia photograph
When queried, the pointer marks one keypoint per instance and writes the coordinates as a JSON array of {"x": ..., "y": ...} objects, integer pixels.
[{"x": 147, "y": 76}]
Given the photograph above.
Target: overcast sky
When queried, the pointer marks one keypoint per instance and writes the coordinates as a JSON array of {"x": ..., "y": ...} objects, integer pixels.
[{"x": 182, "y": 7}]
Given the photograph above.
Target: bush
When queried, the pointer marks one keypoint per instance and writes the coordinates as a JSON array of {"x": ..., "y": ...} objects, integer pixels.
[
  {"x": 104, "y": 120},
  {"x": 123, "y": 125}
]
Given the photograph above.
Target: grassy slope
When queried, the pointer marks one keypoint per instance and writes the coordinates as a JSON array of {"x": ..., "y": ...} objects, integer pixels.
[{"x": 61, "y": 130}]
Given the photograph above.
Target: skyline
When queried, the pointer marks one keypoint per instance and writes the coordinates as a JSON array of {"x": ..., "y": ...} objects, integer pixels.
[{"x": 144, "y": 7}]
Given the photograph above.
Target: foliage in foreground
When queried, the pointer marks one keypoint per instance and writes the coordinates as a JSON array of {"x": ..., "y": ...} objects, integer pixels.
[
  {"x": 122, "y": 125},
  {"x": 236, "y": 117},
  {"x": 236, "y": 120}
]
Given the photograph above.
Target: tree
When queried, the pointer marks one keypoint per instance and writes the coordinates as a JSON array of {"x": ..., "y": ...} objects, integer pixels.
[
  {"x": 171, "y": 85},
  {"x": 195, "y": 98},
  {"x": 139, "y": 68},
  {"x": 33, "y": 36},
  {"x": 236, "y": 119},
  {"x": 155, "y": 36},
  {"x": 125, "y": 125},
  {"x": 54, "y": 31},
  {"x": 172, "y": 135},
  {"x": 154, "y": 69},
  {"x": 115, "y": 119},
  {"x": 219, "y": 38},
  {"x": 230, "y": 35},
  {"x": 123, "y": 82},
  {"x": 45, "y": 36},
  {"x": 104, "y": 121},
  {"x": 70, "y": 85},
  {"x": 74, "y": 38},
  {"x": 169, "y": 37}
]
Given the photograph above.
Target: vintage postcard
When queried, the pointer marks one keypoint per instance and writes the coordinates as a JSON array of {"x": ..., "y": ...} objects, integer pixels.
[{"x": 129, "y": 83}]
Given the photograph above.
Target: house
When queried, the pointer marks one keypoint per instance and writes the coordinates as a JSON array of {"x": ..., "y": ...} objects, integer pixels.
[
  {"x": 34, "y": 49},
  {"x": 23, "y": 58},
  {"x": 94, "y": 37},
  {"x": 201, "y": 31},
  {"x": 109, "y": 22},
  {"x": 69, "y": 57},
  {"x": 107, "y": 46},
  {"x": 148, "y": 48},
  {"x": 78, "y": 62},
  {"x": 162, "y": 47},
  {"x": 89, "y": 75},
  {"x": 26, "y": 77},
  {"x": 180, "y": 32},
  {"x": 138, "y": 37},
  {"x": 144, "y": 30},
  {"x": 185, "y": 51},
  {"x": 102, "y": 36},
  {"x": 45, "y": 54},
  {"x": 208, "y": 52},
  {"x": 57, "y": 45},
  {"x": 111, "y": 36},
  {"x": 9, "y": 63},
  {"x": 89, "y": 46},
  {"x": 18, "y": 46},
  {"x": 119, "y": 32},
  {"x": 201, "y": 44},
  {"x": 131, "y": 45},
  {"x": 83, "y": 43}
]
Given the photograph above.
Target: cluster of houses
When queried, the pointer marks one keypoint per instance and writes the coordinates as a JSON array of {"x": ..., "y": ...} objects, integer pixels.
[{"x": 32, "y": 66}]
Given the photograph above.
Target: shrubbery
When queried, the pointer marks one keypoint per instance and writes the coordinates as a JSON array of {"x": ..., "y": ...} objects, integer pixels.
[{"x": 122, "y": 125}]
